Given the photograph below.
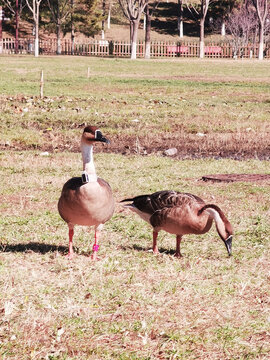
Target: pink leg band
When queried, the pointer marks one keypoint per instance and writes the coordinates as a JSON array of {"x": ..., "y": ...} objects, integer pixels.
[{"x": 95, "y": 247}]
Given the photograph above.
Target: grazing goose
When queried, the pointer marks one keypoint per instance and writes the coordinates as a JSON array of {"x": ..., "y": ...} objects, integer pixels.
[
  {"x": 180, "y": 213},
  {"x": 87, "y": 200}
]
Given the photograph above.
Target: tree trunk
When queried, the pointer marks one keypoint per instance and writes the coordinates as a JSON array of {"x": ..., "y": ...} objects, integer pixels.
[
  {"x": 109, "y": 17},
  {"x": 131, "y": 27},
  {"x": 261, "y": 44},
  {"x": 181, "y": 28},
  {"x": 103, "y": 20},
  {"x": 262, "y": 10},
  {"x": 148, "y": 18},
  {"x": 203, "y": 12},
  {"x": 223, "y": 28},
  {"x": 180, "y": 19},
  {"x": 37, "y": 35},
  {"x": 135, "y": 26},
  {"x": 202, "y": 38},
  {"x": 144, "y": 21},
  {"x": 131, "y": 31},
  {"x": 58, "y": 31},
  {"x": 72, "y": 28},
  {"x": 36, "y": 46},
  {"x": 17, "y": 28},
  {"x": 58, "y": 34},
  {"x": 1, "y": 32}
]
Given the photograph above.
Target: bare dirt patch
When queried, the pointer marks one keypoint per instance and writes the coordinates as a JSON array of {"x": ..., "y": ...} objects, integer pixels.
[
  {"x": 240, "y": 146},
  {"x": 236, "y": 177},
  {"x": 190, "y": 146}
]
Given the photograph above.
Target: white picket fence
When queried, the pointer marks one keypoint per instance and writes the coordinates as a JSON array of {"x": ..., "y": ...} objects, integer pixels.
[{"x": 105, "y": 48}]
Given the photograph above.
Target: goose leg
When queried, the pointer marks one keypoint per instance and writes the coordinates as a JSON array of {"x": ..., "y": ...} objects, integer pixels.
[
  {"x": 96, "y": 245},
  {"x": 70, "y": 245},
  {"x": 155, "y": 248},
  {"x": 178, "y": 241}
]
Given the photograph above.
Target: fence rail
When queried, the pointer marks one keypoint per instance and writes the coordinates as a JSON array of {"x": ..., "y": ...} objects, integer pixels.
[{"x": 105, "y": 48}]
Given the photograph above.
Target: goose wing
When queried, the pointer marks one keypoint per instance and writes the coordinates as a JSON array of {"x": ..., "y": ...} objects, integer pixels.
[
  {"x": 176, "y": 212},
  {"x": 150, "y": 203},
  {"x": 161, "y": 200}
]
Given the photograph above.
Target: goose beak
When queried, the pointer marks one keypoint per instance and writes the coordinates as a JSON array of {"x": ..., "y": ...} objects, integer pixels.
[
  {"x": 100, "y": 137},
  {"x": 105, "y": 140},
  {"x": 228, "y": 244}
]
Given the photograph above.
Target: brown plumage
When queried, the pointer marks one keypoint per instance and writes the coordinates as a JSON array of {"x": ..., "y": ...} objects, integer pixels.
[
  {"x": 87, "y": 200},
  {"x": 180, "y": 213}
]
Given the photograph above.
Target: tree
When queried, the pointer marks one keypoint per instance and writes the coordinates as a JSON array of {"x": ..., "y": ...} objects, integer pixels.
[
  {"x": 200, "y": 8},
  {"x": 103, "y": 19},
  {"x": 148, "y": 16},
  {"x": 15, "y": 7},
  {"x": 133, "y": 10},
  {"x": 203, "y": 13},
  {"x": 241, "y": 25},
  {"x": 109, "y": 15},
  {"x": 59, "y": 10},
  {"x": 220, "y": 11},
  {"x": 85, "y": 17},
  {"x": 148, "y": 19},
  {"x": 34, "y": 8},
  {"x": 262, "y": 9},
  {"x": 72, "y": 27},
  {"x": 180, "y": 19},
  {"x": 106, "y": 15}
]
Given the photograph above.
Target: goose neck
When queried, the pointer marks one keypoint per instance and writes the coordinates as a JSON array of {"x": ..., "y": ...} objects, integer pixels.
[{"x": 88, "y": 161}]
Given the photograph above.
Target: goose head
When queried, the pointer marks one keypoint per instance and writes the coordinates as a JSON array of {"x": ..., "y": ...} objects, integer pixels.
[
  {"x": 92, "y": 134},
  {"x": 224, "y": 227},
  {"x": 226, "y": 235}
]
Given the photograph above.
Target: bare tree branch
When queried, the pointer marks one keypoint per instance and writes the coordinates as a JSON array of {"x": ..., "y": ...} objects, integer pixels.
[{"x": 133, "y": 10}]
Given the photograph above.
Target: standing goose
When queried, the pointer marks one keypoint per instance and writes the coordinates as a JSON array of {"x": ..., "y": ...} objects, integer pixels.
[
  {"x": 87, "y": 200},
  {"x": 180, "y": 213}
]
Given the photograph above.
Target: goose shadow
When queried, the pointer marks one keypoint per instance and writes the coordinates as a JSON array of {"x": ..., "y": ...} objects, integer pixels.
[
  {"x": 35, "y": 247},
  {"x": 41, "y": 248},
  {"x": 140, "y": 248}
]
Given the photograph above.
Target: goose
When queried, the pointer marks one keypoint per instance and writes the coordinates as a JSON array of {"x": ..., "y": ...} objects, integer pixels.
[
  {"x": 180, "y": 213},
  {"x": 87, "y": 200}
]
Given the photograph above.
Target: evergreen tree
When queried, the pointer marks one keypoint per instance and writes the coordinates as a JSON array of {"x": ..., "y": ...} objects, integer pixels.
[{"x": 85, "y": 17}]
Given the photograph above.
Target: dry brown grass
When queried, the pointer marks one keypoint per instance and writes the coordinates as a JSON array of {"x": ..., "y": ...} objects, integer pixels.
[
  {"x": 203, "y": 108},
  {"x": 131, "y": 304}
]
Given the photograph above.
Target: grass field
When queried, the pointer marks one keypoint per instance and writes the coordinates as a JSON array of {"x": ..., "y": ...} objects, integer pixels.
[
  {"x": 165, "y": 103},
  {"x": 131, "y": 304}
]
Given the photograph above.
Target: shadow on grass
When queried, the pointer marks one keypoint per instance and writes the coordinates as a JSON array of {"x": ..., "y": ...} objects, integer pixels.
[
  {"x": 41, "y": 248},
  {"x": 33, "y": 247},
  {"x": 140, "y": 248}
]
